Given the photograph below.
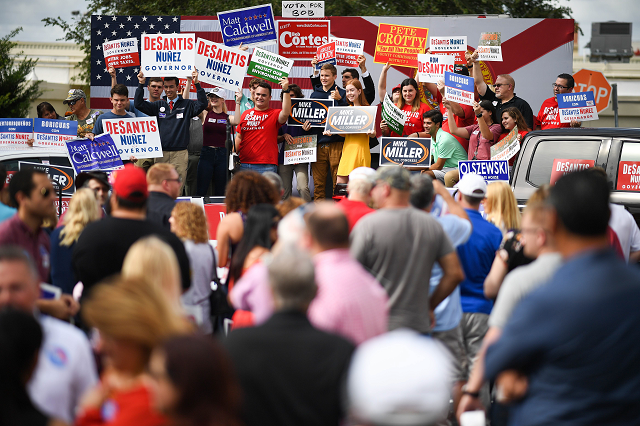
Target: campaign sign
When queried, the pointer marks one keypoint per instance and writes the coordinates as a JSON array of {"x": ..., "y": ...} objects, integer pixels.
[
  {"x": 458, "y": 88},
  {"x": 62, "y": 176},
  {"x": 168, "y": 55},
  {"x": 97, "y": 154},
  {"x": 489, "y": 47},
  {"x": 315, "y": 111},
  {"x": 251, "y": 26},
  {"x": 629, "y": 176},
  {"x": 303, "y": 9},
  {"x": 301, "y": 39},
  {"x": 135, "y": 136},
  {"x": 392, "y": 115},
  {"x": 507, "y": 147},
  {"x": 563, "y": 166},
  {"x": 303, "y": 149},
  {"x": 431, "y": 68},
  {"x": 15, "y": 132},
  {"x": 121, "y": 53},
  {"x": 347, "y": 51},
  {"x": 326, "y": 54},
  {"x": 269, "y": 66},
  {"x": 354, "y": 119},
  {"x": 400, "y": 45},
  {"x": 220, "y": 65},
  {"x": 53, "y": 134},
  {"x": 414, "y": 152},
  {"x": 490, "y": 170},
  {"x": 454, "y": 46},
  {"x": 579, "y": 106}
]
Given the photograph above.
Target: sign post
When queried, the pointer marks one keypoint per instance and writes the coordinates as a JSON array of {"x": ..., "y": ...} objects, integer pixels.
[{"x": 596, "y": 82}]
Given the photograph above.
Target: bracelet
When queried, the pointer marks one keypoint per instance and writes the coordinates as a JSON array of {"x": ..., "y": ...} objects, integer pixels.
[
  {"x": 479, "y": 115},
  {"x": 470, "y": 66},
  {"x": 471, "y": 394}
]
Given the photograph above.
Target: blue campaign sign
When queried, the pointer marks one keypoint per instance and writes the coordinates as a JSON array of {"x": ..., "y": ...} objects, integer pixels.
[
  {"x": 490, "y": 170},
  {"x": 55, "y": 127},
  {"x": 251, "y": 26},
  {"x": 16, "y": 125},
  {"x": 458, "y": 81},
  {"x": 576, "y": 100},
  {"x": 98, "y": 154},
  {"x": 414, "y": 152}
]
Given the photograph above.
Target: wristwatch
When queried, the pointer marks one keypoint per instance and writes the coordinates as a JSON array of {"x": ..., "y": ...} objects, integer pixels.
[
  {"x": 287, "y": 90},
  {"x": 471, "y": 394}
]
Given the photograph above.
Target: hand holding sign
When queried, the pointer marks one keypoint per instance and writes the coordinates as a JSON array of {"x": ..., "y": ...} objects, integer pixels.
[
  {"x": 361, "y": 63},
  {"x": 112, "y": 71},
  {"x": 141, "y": 78},
  {"x": 284, "y": 82},
  {"x": 194, "y": 76}
]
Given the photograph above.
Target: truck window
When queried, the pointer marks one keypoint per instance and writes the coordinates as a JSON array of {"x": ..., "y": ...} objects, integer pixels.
[
  {"x": 628, "y": 178},
  {"x": 546, "y": 151}
]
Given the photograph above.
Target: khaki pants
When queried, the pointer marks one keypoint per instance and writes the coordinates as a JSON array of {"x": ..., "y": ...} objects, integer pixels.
[
  {"x": 328, "y": 155},
  {"x": 145, "y": 164},
  {"x": 451, "y": 178},
  {"x": 302, "y": 180},
  {"x": 179, "y": 160}
]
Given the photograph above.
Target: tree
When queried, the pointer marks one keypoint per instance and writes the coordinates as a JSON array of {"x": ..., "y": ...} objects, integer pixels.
[
  {"x": 78, "y": 30},
  {"x": 16, "y": 92}
]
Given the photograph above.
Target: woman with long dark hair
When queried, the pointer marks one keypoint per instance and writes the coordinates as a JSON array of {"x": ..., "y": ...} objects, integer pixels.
[{"x": 512, "y": 117}]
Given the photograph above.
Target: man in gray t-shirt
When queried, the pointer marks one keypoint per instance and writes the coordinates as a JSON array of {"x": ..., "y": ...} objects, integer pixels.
[{"x": 399, "y": 244}]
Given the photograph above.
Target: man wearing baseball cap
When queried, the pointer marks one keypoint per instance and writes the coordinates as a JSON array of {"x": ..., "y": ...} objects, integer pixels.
[
  {"x": 102, "y": 246},
  {"x": 476, "y": 256},
  {"x": 80, "y": 112}
]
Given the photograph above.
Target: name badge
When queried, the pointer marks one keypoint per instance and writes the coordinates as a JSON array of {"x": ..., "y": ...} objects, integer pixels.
[
  {"x": 162, "y": 115},
  {"x": 179, "y": 115},
  {"x": 89, "y": 121},
  {"x": 475, "y": 132},
  {"x": 212, "y": 120}
]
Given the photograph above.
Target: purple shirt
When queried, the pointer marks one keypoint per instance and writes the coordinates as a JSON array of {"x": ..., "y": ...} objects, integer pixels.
[{"x": 15, "y": 232}]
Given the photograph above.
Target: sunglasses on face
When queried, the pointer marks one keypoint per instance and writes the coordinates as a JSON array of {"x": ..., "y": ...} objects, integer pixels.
[
  {"x": 495, "y": 86},
  {"x": 72, "y": 103},
  {"x": 45, "y": 192}
]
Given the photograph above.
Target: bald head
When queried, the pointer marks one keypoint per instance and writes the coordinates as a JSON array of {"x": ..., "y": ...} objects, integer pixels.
[{"x": 328, "y": 226}]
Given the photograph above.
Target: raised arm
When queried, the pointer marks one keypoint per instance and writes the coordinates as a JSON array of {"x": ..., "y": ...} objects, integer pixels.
[
  {"x": 369, "y": 86},
  {"x": 476, "y": 72},
  {"x": 484, "y": 127},
  {"x": 138, "y": 100},
  {"x": 286, "y": 102},
  {"x": 382, "y": 82},
  {"x": 112, "y": 73},
  {"x": 452, "y": 205},
  {"x": 187, "y": 88},
  {"x": 453, "y": 126},
  {"x": 235, "y": 118}
]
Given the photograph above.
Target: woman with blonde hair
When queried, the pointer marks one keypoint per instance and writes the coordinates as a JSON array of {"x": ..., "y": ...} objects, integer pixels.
[
  {"x": 189, "y": 223},
  {"x": 501, "y": 207},
  {"x": 132, "y": 317},
  {"x": 83, "y": 209}
]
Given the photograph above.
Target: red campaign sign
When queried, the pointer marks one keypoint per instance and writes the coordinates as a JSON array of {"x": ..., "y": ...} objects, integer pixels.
[
  {"x": 629, "y": 176},
  {"x": 121, "y": 61},
  {"x": 9, "y": 176},
  {"x": 215, "y": 213},
  {"x": 326, "y": 53},
  {"x": 300, "y": 39},
  {"x": 65, "y": 204},
  {"x": 121, "y": 53},
  {"x": 563, "y": 166}
]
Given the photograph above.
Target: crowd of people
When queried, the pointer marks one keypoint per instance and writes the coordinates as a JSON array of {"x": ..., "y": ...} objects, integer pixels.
[{"x": 403, "y": 303}]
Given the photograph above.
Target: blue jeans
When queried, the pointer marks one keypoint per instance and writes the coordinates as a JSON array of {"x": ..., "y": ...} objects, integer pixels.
[
  {"x": 212, "y": 165},
  {"x": 260, "y": 168}
]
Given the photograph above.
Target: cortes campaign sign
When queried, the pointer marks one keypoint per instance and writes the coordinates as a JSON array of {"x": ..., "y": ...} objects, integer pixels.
[
  {"x": 269, "y": 66},
  {"x": 168, "y": 55},
  {"x": 628, "y": 176},
  {"x": 414, "y": 152},
  {"x": 489, "y": 47},
  {"x": 135, "y": 136},
  {"x": 313, "y": 110},
  {"x": 392, "y": 115},
  {"x": 15, "y": 132},
  {"x": 121, "y": 53},
  {"x": 431, "y": 68},
  {"x": 562, "y": 166},
  {"x": 97, "y": 154},
  {"x": 347, "y": 51},
  {"x": 303, "y": 149},
  {"x": 301, "y": 39},
  {"x": 354, "y": 119},
  {"x": 454, "y": 46},
  {"x": 303, "y": 9},
  {"x": 326, "y": 54},
  {"x": 220, "y": 65},
  {"x": 579, "y": 106},
  {"x": 490, "y": 170},
  {"x": 251, "y": 26},
  {"x": 53, "y": 134},
  {"x": 60, "y": 175},
  {"x": 458, "y": 88},
  {"x": 400, "y": 45}
]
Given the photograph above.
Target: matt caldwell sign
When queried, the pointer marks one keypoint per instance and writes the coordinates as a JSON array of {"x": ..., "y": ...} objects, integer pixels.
[
  {"x": 220, "y": 65},
  {"x": 15, "y": 132},
  {"x": 121, "y": 53},
  {"x": 313, "y": 110},
  {"x": 458, "y": 88},
  {"x": 251, "y": 26},
  {"x": 168, "y": 55},
  {"x": 269, "y": 66},
  {"x": 53, "y": 134},
  {"x": 414, "y": 152},
  {"x": 135, "y": 136},
  {"x": 490, "y": 170},
  {"x": 579, "y": 106},
  {"x": 345, "y": 120},
  {"x": 304, "y": 149},
  {"x": 97, "y": 154}
]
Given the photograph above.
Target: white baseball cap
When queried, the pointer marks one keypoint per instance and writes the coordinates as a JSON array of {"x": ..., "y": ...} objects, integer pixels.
[
  {"x": 473, "y": 185},
  {"x": 218, "y": 91}
]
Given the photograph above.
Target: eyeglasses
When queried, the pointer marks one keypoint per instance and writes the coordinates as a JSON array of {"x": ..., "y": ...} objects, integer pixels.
[
  {"x": 495, "y": 86},
  {"x": 72, "y": 103},
  {"x": 178, "y": 179},
  {"x": 559, "y": 86}
]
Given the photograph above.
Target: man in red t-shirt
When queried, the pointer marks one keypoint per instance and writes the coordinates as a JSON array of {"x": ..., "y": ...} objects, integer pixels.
[
  {"x": 356, "y": 205},
  {"x": 257, "y": 141},
  {"x": 548, "y": 117}
]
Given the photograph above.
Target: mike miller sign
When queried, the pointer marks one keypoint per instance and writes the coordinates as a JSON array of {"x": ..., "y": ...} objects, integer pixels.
[
  {"x": 414, "y": 152},
  {"x": 345, "y": 120},
  {"x": 313, "y": 110}
]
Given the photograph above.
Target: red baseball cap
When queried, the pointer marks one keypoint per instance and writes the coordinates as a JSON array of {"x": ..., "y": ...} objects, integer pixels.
[
  {"x": 130, "y": 184},
  {"x": 398, "y": 87}
]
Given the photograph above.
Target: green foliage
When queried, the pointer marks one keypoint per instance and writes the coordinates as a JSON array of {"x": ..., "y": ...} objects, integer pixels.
[
  {"x": 78, "y": 30},
  {"x": 16, "y": 93}
]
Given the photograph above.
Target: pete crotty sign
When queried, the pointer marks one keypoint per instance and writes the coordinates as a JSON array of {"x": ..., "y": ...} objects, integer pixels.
[
  {"x": 579, "y": 106},
  {"x": 313, "y": 110},
  {"x": 251, "y": 26},
  {"x": 220, "y": 65},
  {"x": 490, "y": 170},
  {"x": 303, "y": 149},
  {"x": 168, "y": 55},
  {"x": 354, "y": 119},
  {"x": 269, "y": 66},
  {"x": 135, "y": 136},
  {"x": 414, "y": 152},
  {"x": 121, "y": 53},
  {"x": 53, "y": 133}
]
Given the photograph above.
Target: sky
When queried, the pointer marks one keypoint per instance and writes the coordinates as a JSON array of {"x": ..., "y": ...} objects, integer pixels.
[{"x": 15, "y": 14}]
